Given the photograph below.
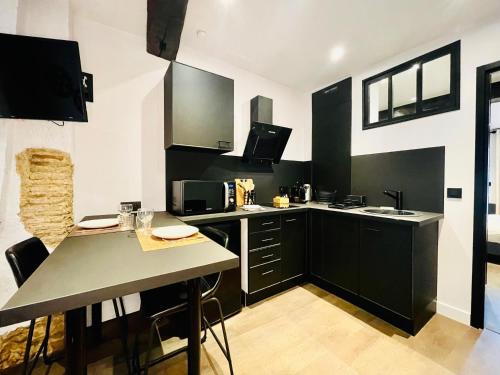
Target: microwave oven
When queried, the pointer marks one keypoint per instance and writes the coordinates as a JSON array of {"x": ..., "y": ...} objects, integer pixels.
[{"x": 195, "y": 197}]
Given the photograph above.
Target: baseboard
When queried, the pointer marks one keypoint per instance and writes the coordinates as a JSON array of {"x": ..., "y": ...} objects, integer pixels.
[{"x": 454, "y": 313}]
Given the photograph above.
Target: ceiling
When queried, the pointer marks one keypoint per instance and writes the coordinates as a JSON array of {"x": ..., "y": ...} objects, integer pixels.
[{"x": 290, "y": 41}]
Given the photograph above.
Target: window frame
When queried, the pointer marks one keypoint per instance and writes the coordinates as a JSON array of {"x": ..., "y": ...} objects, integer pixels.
[{"x": 453, "y": 50}]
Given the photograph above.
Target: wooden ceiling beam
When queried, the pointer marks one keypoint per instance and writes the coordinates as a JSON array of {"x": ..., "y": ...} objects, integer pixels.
[{"x": 164, "y": 29}]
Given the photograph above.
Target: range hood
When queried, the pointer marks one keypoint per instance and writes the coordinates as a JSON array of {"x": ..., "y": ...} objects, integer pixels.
[{"x": 265, "y": 142}]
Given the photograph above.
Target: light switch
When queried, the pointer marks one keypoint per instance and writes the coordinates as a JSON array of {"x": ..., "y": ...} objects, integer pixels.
[{"x": 454, "y": 192}]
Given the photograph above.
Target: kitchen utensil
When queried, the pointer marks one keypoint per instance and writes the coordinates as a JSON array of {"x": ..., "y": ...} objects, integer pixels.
[
  {"x": 307, "y": 193},
  {"x": 243, "y": 185},
  {"x": 295, "y": 193},
  {"x": 174, "y": 232},
  {"x": 281, "y": 202},
  {"x": 98, "y": 223},
  {"x": 284, "y": 191},
  {"x": 325, "y": 196}
]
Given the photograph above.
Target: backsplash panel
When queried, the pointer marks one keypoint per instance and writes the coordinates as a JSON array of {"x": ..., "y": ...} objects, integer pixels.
[
  {"x": 419, "y": 174},
  {"x": 192, "y": 165}
]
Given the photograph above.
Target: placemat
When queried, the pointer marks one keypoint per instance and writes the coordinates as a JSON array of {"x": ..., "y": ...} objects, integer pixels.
[
  {"x": 150, "y": 242},
  {"x": 77, "y": 231}
]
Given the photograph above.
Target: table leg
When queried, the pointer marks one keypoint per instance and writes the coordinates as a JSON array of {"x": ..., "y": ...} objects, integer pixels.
[
  {"x": 96, "y": 330},
  {"x": 194, "y": 343},
  {"x": 76, "y": 353}
]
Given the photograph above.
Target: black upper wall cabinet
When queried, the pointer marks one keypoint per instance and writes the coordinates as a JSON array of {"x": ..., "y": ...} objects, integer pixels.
[
  {"x": 424, "y": 86},
  {"x": 331, "y": 138},
  {"x": 199, "y": 109}
]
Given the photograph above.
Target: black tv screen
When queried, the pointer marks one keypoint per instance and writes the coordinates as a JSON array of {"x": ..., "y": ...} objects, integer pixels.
[{"x": 40, "y": 79}]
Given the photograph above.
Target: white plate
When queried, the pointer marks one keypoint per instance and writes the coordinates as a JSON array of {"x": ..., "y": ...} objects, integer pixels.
[
  {"x": 252, "y": 207},
  {"x": 98, "y": 223},
  {"x": 175, "y": 232}
]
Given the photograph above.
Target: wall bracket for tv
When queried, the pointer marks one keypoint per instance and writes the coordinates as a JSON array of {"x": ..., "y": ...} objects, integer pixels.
[{"x": 88, "y": 87}]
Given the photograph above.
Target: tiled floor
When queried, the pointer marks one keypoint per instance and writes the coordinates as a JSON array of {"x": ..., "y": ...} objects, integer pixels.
[
  {"x": 492, "y": 298},
  {"x": 309, "y": 331}
]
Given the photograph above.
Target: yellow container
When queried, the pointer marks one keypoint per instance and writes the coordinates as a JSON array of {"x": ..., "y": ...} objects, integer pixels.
[{"x": 281, "y": 202}]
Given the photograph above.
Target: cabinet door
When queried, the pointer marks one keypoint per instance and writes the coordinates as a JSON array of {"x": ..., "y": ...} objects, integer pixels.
[
  {"x": 341, "y": 251},
  {"x": 316, "y": 243},
  {"x": 331, "y": 137},
  {"x": 385, "y": 265},
  {"x": 203, "y": 108},
  {"x": 293, "y": 245}
]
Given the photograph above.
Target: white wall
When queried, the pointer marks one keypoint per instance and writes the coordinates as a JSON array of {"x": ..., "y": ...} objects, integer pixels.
[
  {"x": 26, "y": 17},
  {"x": 456, "y": 131},
  {"x": 118, "y": 155}
]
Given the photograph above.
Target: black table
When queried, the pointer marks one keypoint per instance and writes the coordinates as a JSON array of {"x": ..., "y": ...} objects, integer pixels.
[{"x": 90, "y": 269}]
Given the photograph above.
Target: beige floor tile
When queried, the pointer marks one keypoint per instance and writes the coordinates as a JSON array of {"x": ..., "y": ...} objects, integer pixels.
[{"x": 309, "y": 331}]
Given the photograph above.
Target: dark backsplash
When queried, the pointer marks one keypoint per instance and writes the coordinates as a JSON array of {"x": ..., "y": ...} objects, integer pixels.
[
  {"x": 193, "y": 165},
  {"x": 419, "y": 174}
]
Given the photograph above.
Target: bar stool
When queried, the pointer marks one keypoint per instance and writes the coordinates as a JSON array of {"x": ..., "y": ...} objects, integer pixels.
[
  {"x": 24, "y": 258},
  {"x": 160, "y": 303}
]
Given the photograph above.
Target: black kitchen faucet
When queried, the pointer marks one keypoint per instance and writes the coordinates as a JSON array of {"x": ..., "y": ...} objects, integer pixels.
[{"x": 397, "y": 196}]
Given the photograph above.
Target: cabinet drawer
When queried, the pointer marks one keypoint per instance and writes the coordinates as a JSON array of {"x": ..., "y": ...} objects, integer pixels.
[
  {"x": 261, "y": 277},
  {"x": 263, "y": 239},
  {"x": 259, "y": 224},
  {"x": 264, "y": 255}
]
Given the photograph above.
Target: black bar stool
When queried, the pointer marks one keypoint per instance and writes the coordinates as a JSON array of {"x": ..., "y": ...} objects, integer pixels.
[
  {"x": 160, "y": 303},
  {"x": 24, "y": 258}
]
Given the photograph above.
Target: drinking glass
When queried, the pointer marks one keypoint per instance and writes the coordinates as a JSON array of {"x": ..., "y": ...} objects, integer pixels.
[
  {"x": 126, "y": 219},
  {"x": 144, "y": 220}
]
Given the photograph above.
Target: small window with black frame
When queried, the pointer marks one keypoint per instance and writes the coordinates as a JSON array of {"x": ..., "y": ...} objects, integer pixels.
[{"x": 424, "y": 86}]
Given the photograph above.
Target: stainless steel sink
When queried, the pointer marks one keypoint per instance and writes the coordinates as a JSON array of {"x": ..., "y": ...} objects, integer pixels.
[{"x": 382, "y": 211}]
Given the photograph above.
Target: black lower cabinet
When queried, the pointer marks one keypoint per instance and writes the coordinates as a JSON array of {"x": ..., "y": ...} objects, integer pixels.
[
  {"x": 277, "y": 248},
  {"x": 335, "y": 249},
  {"x": 316, "y": 244},
  {"x": 293, "y": 245},
  {"x": 385, "y": 265},
  {"x": 387, "y": 268},
  {"x": 341, "y": 251}
]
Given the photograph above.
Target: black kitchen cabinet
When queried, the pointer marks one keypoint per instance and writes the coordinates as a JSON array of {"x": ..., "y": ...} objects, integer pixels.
[
  {"x": 293, "y": 245},
  {"x": 335, "y": 249},
  {"x": 387, "y": 268},
  {"x": 199, "y": 109},
  {"x": 316, "y": 244},
  {"x": 331, "y": 138},
  {"x": 386, "y": 265},
  {"x": 341, "y": 251},
  {"x": 277, "y": 248}
]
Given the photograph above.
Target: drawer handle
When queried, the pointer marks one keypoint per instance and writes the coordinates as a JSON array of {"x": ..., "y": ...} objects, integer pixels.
[
  {"x": 268, "y": 223},
  {"x": 267, "y": 256},
  {"x": 267, "y": 239},
  {"x": 373, "y": 230},
  {"x": 290, "y": 220},
  {"x": 268, "y": 272}
]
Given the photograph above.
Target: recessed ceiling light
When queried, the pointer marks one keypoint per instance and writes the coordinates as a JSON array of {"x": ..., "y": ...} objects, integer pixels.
[
  {"x": 337, "y": 53},
  {"x": 201, "y": 33}
]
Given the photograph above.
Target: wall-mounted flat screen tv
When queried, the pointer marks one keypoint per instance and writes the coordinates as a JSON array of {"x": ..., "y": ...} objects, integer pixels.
[{"x": 40, "y": 79}]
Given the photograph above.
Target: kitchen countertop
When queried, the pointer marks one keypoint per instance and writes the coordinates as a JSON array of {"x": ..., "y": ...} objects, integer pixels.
[{"x": 422, "y": 219}]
